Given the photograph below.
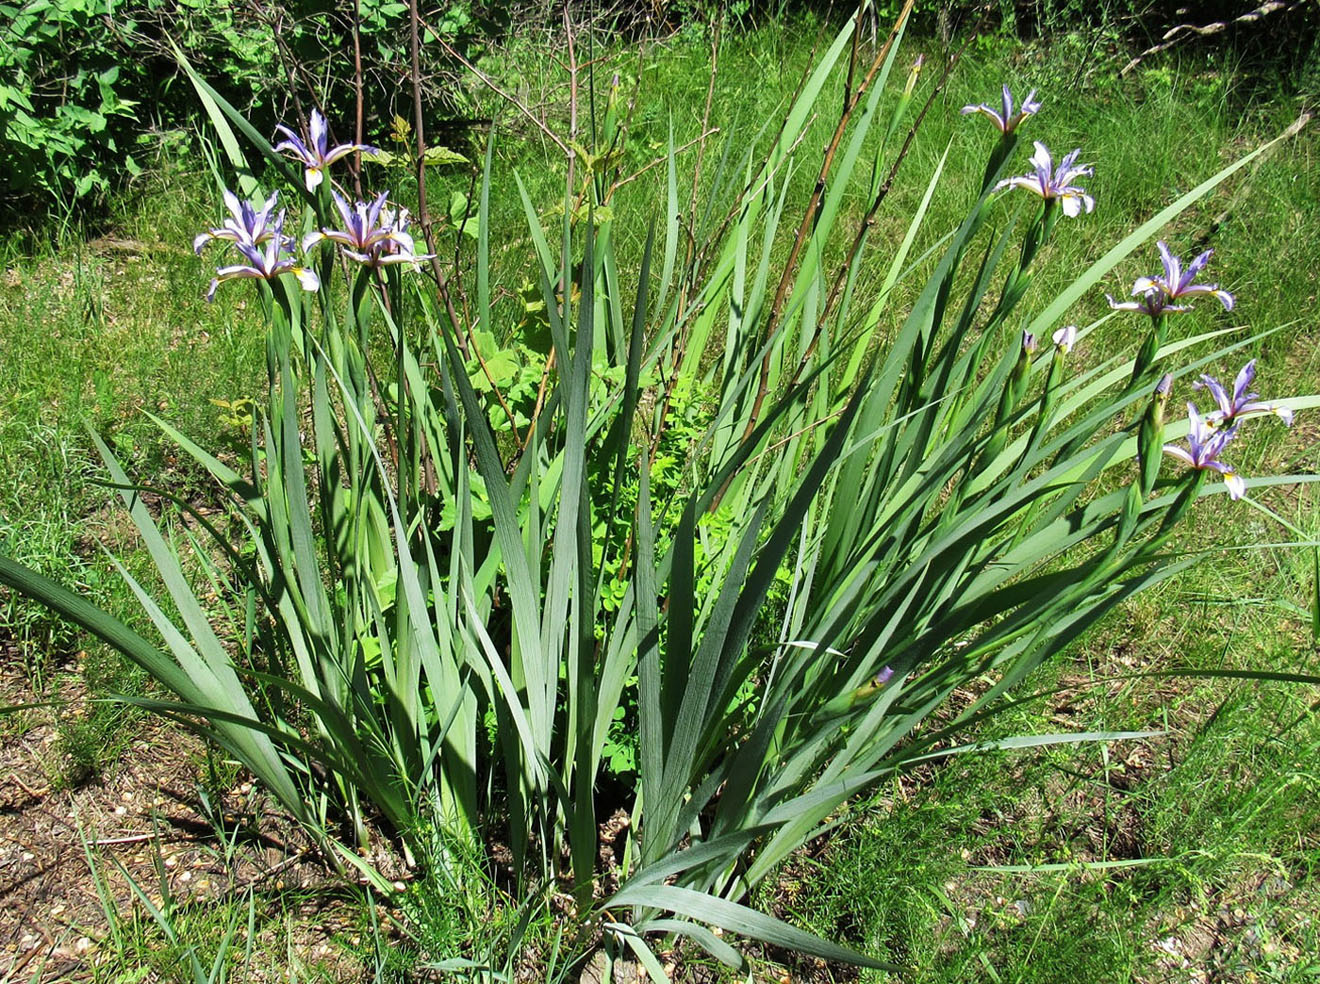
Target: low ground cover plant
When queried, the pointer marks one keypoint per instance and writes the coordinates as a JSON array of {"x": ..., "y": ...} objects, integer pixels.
[{"x": 464, "y": 616}]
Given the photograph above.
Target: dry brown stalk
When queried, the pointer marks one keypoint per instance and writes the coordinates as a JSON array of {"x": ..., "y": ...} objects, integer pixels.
[{"x": 813, "y": 208}]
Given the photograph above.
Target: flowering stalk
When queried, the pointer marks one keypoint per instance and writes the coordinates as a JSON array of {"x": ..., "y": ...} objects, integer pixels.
[
  {"x": 1011, "y": 395},
  {"x": 1058, "y": 196},
  {"x": 1150, "y": 437},
  {"x": 1006, "y": 121},
  {"x": 1144, "y": 363},
  {"x": 1064, "y": 339},
  {"x": 1191, "y": 491}
]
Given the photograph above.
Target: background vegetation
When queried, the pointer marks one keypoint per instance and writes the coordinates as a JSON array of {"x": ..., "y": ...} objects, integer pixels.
[{"x": 1200, "y": 847}]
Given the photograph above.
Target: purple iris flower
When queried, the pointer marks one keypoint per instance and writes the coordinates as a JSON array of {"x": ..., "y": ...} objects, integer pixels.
[
  {"x": 1055, "y": 183},
  {"x": 1160, "y": 294},
  {"x": 1153, "y": 303},
  {"x": 371, "y": 233},
  {"x": 1241, "y": 404},
  {"x": 246, "y": 225},
  {"x": 1204, "y": 446},
  {"x": 315, "y": 153},
  {"x": 1008, "y": 121},
  {"x": 265, "y": 262},
  {"x": 1066, "y": 338}
]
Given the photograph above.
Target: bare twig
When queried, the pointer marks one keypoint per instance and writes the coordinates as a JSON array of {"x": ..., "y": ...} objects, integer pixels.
[
  {"x": 749, "y": 194},
  {"x": 357, "y": 96},
  {"x": 419, "y": 122},
  {"x": 540, "y": 397},
  {"x": 852, "y": 57},
  {"x": 797, "y": 433},
  {"x": 809, "y": 217},
  {"x": 490, "y": 83},
  {"x": 291, "y": 65},
  {"x": 423, "y": 210},
  {"x": 692, "y": 256},
  {"x": 36, "y": 794},
  {"x": 131, "y": 839},
  {"x": 659, "y": 160},
  {"x": 868, "y": 221},
  {"x": 1182, "y": 31}
]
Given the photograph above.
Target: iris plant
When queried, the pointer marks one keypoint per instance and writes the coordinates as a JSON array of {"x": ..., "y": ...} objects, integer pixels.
[
  {"x": 1205, "y": 443},
  {"x": 1241, "y": 404},
  {"x": 1160, "y": 294},
  {"x": 1055, "y": 183},
  {"x": 265, "y": 262},
  {"x": 246, "y": 225},
  {"x": 1007, "y": 121},
  {"x": 315, "y": 153},
  {"x": 371, "y": 233}
]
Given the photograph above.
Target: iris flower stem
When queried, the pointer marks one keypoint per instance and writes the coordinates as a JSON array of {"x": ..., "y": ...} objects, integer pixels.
[
  {"x": 1146, "y": 355},
  {"x": 1191, "y": 491},
  {"x": 1150, "y": 443},
  {"x": 1015, "y": 287},
  {"x": 1003, "y": 151},
  {"x": 1045, "y": 405},
  {"x": 1019, "y": 278}
]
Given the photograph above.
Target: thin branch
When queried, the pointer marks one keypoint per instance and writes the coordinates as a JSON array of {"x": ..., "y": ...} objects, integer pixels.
[
  {"x": 132, "y": 839},
  {"x": 487, "y": 81},
  {"x": 660, "y": 160},
  {"x": 1176, "y": 34},
  {"x": 809, "y": 217},
  {"x": 868, "y": 221},
  {"x": 423, "y": 210},
  {"x": 357, "y": 96}
]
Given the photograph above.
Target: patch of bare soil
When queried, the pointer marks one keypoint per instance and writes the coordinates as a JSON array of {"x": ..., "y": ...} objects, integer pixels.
[
  {"x": 1257, "y": 929},
  {"x": 142, "y": 819}
]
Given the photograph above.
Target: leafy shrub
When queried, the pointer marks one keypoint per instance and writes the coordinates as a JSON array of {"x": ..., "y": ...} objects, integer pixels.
[
  {"x": 63, "y": 110},
  {"x": 85, "y": 81}
]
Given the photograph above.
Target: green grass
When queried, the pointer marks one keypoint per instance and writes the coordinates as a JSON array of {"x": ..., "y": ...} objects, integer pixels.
[{"x": 1222, "y": 812}]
